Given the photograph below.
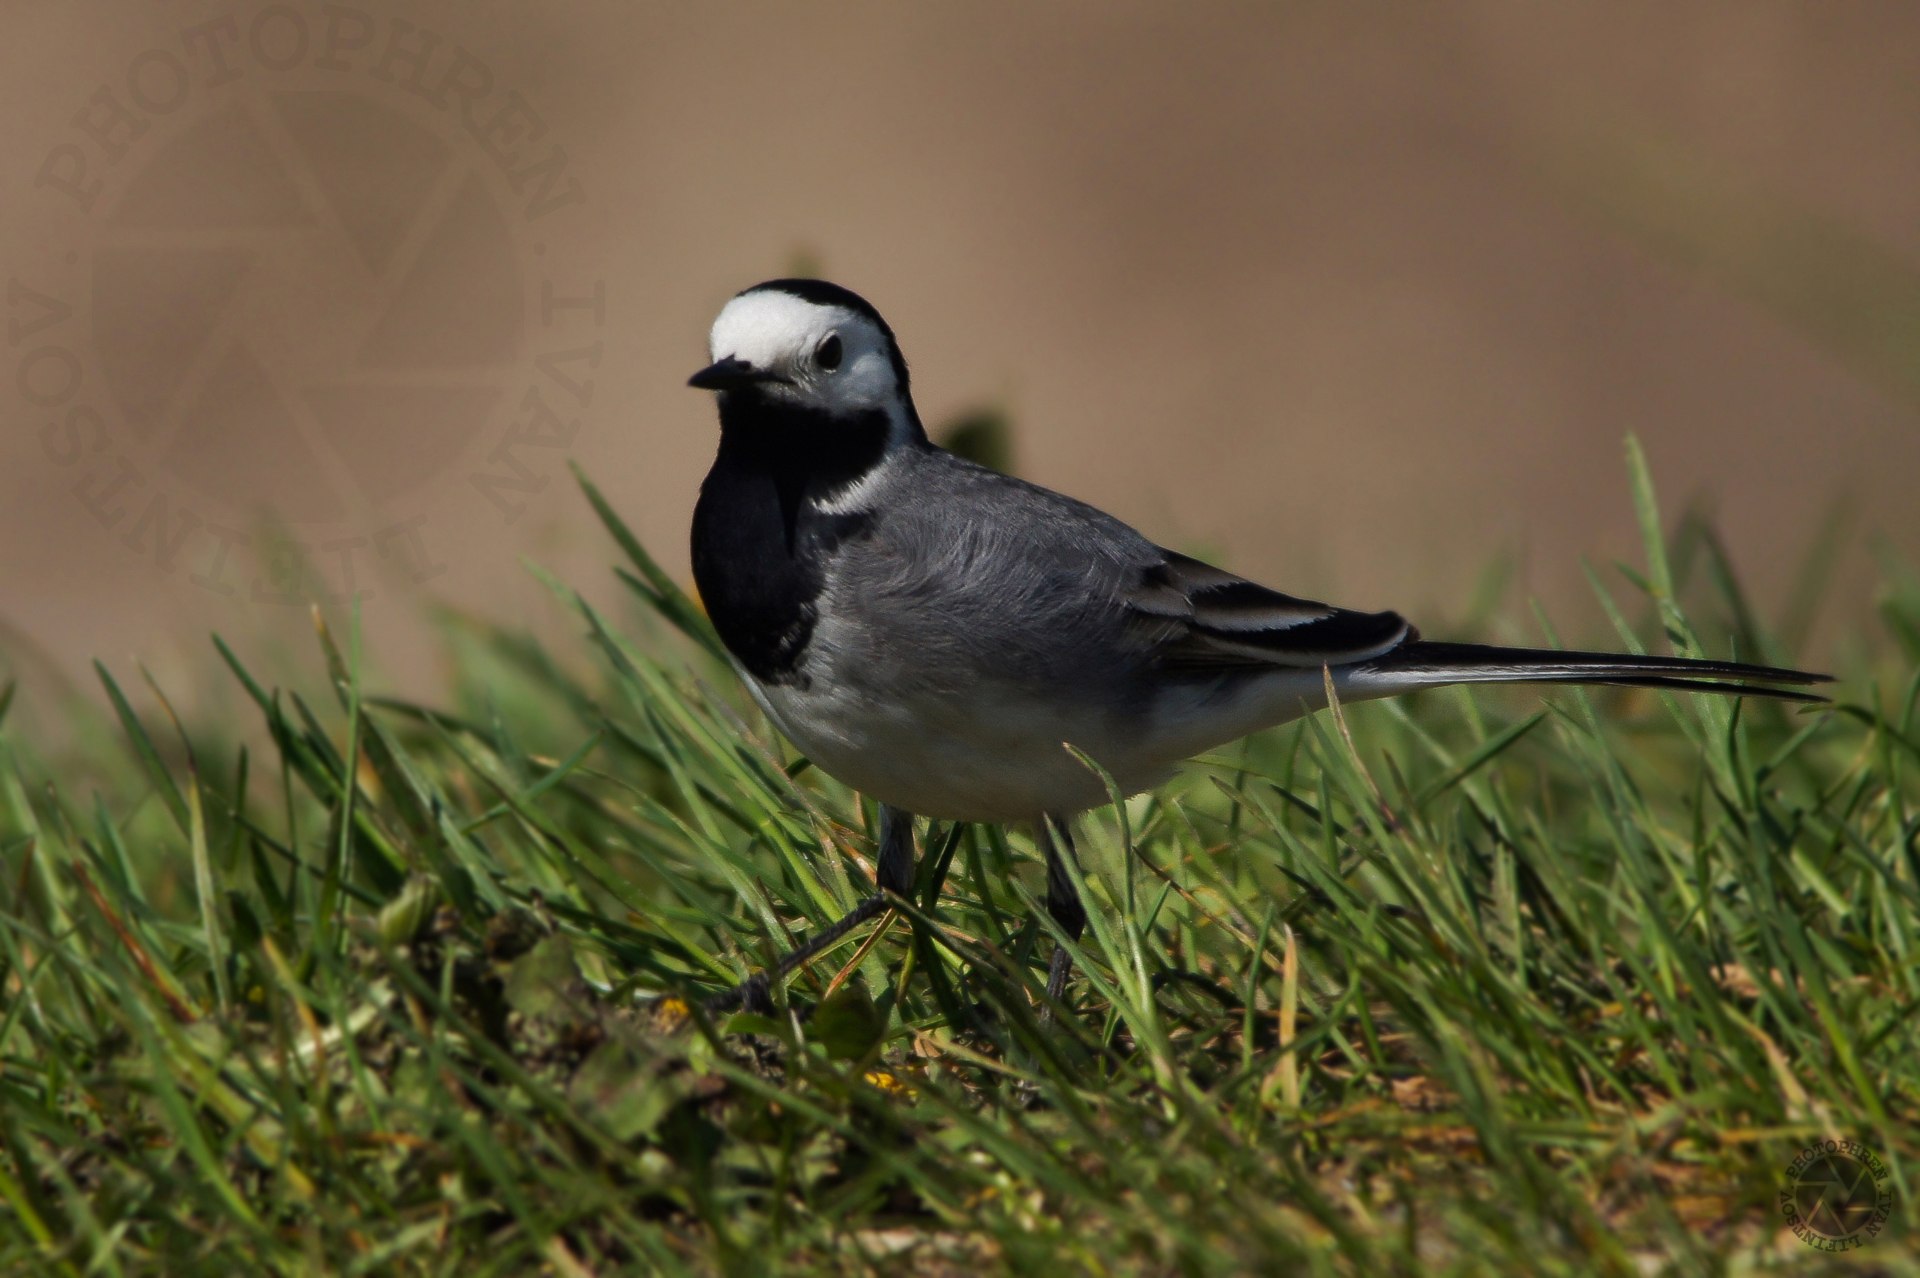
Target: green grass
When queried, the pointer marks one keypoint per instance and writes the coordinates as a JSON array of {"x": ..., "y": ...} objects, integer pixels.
[{"x": 1538, "y": 982}]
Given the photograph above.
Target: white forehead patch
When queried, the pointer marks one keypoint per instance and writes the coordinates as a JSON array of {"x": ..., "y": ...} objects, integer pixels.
[
  {"x": 767, "y": 328},
  {"x": 780, "y": 334}
]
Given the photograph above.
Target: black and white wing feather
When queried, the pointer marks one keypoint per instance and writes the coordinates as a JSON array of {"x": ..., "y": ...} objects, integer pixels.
[
  {"x": 1202, "y": 619},
  {"x": 1021, "y": 577},
  {"x": 1208, "y": 618}
]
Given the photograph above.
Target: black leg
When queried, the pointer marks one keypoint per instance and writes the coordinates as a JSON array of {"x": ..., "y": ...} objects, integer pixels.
[
  {"x": 1062, "y": 901},
  {"x": 894, "y": 873}
]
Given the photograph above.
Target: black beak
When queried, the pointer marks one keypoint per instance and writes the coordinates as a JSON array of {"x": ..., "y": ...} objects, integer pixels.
[{"x": 730, "y": 374}]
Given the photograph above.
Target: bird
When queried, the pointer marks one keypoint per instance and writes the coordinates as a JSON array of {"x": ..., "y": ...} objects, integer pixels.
[{"x": 936, "y": 634}]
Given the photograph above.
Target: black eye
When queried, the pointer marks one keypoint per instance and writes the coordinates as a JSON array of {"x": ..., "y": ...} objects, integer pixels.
[{"x": 827, "y": 355}]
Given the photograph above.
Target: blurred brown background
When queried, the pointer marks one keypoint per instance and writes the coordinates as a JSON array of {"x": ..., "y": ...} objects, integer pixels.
[{"x": 319, "y": 299}]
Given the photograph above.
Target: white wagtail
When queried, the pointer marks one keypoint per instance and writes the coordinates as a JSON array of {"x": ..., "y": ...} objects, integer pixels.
[{"x": 934, "y": 633}]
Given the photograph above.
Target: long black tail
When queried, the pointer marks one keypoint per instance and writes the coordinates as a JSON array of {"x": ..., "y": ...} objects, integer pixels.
[{"x": 1423, "y": 663}]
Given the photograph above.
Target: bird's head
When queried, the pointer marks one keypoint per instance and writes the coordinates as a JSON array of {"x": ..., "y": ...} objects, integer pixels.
[{"x": 808, "y": 347}]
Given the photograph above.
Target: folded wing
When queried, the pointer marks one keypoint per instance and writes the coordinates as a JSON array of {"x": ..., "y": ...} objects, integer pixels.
[
  {"x": 1206, "y": 618},
  {"x": 1200, "y": 619}
]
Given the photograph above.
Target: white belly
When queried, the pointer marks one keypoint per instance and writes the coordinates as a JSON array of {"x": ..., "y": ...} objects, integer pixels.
[
  {"x": 999, "y": 753},
  {"x": 1000, "y": 758}
]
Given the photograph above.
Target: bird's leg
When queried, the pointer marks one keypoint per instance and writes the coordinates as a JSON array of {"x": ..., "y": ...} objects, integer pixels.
[
  {"x": 894, "y": 874},
  {"x": 1063, "y": 902}
]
